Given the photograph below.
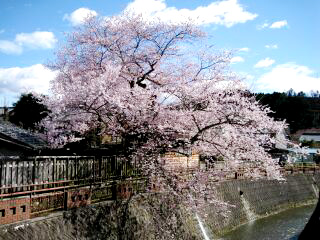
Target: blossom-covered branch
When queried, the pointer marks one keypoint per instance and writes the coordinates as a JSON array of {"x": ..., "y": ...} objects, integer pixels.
[{"x": 147, "y": 83}]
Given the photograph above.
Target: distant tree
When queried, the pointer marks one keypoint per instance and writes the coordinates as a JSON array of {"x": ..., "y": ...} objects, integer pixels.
[
  {"x": 28, "y": 111},
  {"x": 291, "y": 93},
  {"x": 301, "y": 94},
  {"x": 288, "y": 106},
  {"x": 314, "y": 94}
]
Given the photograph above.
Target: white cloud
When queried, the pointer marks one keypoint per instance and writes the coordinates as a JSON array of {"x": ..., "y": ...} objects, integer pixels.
[
  {"x": 246, "y": 76},
  {"x": 272, "y": 46},
  {"x": 34, "y": 40},
  {"x": 9, "y": 47},
  {"x": 237, "y": 59},
  {"x": 226, "y": 13},
  {"x": 264, "y": 63},
  {"x": 245, "y": 49},
  {"x": 248, "y": 79},
  {"x": 262, "y": 26},
  {"x": 290, "y": 75},
  {"x": 78, "y": 16},
  {"x": 16, "y": 80},
  {"x": 279, "y": 24}
]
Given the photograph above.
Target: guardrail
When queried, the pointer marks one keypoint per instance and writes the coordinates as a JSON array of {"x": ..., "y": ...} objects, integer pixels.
[
  {"x": 310, "y": 168},
  {"x": 36, "y": 185},
  {"x": 19, "y": 174},
  {"x": 61, "y": 195},
  {"x": 302, "y": 168}
]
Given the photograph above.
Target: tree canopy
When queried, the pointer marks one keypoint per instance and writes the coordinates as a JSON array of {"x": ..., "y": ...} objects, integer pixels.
[
  {"x": 294, "y": 108},
  {"x": 28, "y": 112},
  {"x": 151, "y": 84}
]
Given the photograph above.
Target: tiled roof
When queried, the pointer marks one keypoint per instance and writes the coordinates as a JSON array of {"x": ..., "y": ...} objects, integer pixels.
[{"x": 22, "y": 136}]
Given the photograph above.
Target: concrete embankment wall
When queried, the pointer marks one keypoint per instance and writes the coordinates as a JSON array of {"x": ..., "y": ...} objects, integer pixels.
[
  {"x": 256, "y": 199},
  {"x": 158, "y": 216}
]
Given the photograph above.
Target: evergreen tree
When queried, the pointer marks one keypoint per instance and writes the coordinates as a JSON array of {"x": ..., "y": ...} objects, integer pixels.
[
  {"x": 292, "y": 107},
  {"x": 28, "y": 111}
]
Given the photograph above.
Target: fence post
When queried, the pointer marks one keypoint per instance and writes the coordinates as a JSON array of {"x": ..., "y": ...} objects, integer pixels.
[
  {"x": 54, "y": 170},
  {"x": 94, "y": 168},
  {"x": 100, "y": 167},
  {"x": 67, "y": 169},
  {"x": 65, "y": 200},
  {"x": 34, "y": 170}
]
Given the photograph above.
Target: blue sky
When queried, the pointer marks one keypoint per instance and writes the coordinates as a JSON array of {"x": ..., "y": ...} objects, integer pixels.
[{"x": 276, "y": 42}]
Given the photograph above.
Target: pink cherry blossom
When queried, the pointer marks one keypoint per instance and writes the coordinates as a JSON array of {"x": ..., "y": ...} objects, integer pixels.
[{"x": 152, "y": 84}]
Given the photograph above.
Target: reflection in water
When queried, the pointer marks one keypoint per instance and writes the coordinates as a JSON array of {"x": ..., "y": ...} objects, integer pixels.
[{"x": 282, "y": 226}]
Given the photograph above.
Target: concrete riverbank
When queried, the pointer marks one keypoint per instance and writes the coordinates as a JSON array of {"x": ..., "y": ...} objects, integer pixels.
[
  {"x": 157, "y": 216},
  {"x": 257, "y": 199}
]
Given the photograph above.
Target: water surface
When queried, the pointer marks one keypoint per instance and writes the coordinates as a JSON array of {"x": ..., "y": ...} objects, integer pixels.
[{"x": 282, "y": 226}]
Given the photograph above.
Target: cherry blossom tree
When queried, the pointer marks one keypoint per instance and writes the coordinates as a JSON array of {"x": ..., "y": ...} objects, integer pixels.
[{"x": 150, "y": 83}]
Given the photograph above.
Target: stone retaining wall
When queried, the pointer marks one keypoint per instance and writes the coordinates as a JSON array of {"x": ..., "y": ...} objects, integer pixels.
[
  {"x": 158, "y": 216},
  {"x": 256, "y": 199}
]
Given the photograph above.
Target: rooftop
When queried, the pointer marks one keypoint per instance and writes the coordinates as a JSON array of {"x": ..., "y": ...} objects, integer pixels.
[
  {"x": 310, "y": 137},
  {"x": 12, "y": 133}
]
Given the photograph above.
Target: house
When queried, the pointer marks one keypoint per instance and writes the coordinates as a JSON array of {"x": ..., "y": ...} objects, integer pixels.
[
  {"x": 15, "y": 141},
  {"x": 310, "y": 137},
  {"x": 5, "y": 112},
  {"x": 313, "y": 139}
]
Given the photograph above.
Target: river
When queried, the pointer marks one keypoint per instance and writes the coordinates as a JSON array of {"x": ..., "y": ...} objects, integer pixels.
[{"x": 283, "y": 226}]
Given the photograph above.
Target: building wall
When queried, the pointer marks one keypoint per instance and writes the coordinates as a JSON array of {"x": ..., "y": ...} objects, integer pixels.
[
  {"x": 299, "y": 133},
  {"x": 180, "y": 162},
  {"x": 7, "y": 149},
  {"x": 14, "y": 210}
]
